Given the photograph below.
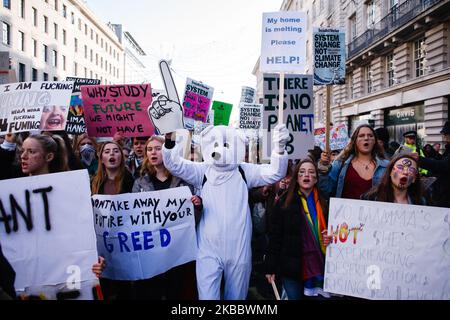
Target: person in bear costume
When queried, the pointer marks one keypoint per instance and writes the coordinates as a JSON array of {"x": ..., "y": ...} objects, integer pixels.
[{"x": 225, "y": 229}]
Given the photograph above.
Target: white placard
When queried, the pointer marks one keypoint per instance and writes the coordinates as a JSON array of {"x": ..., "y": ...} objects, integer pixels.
[
  {"x": 283, "y": 44},
  {"x": 250, "y": 115},
  {"x": 22, "y": 104},
  {"x": 388, "y": 251},
  {"x": 47, "y": 230}
]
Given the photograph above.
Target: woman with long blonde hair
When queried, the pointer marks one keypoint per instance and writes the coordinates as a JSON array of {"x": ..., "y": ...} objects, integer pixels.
[{"x": 178, "y": 282}]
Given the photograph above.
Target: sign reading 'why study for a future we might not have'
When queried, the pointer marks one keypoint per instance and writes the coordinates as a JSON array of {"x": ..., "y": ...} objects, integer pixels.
[
  {"x": 117, "y": 108},
  {"x": 283, "y": 44}
]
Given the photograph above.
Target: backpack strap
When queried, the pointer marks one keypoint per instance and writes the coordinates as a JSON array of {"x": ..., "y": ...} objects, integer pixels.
[{"x": 241, "y": 171}]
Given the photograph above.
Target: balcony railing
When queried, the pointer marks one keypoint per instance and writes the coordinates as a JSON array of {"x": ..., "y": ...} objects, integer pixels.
[{"x": 398, "y": 16}]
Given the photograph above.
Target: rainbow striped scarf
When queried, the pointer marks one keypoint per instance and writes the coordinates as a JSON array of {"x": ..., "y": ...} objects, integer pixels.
[{"x": 318, "y": 225}]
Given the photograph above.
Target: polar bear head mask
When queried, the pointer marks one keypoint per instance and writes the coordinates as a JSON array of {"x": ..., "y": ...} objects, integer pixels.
[{"x": 223, "y": 146}]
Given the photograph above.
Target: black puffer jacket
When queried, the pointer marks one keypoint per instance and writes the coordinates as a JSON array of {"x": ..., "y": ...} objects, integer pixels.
[{"x": 440, "y": 194}]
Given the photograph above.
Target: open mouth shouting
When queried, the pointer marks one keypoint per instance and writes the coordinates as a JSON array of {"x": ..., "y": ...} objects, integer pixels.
[{"x": 54, "y": 122}]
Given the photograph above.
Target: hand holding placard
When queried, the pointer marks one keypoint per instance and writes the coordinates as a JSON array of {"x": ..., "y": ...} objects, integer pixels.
[{"x": 166, "y": 112}]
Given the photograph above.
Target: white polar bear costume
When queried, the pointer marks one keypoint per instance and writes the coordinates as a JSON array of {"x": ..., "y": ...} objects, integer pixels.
[{"x": 225, "y": 229}]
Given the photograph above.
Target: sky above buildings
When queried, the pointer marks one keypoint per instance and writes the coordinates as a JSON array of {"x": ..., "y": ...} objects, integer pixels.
[{"x": 214, "y": 41}]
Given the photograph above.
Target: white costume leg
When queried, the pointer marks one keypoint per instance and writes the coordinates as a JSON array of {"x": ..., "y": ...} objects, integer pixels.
[
  {"x": 209, "y": 275},
  {"x": 237, "y": 280}
]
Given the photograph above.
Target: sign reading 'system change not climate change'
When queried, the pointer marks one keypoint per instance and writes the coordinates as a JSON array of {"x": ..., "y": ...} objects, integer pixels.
[{"x": 283, "y": 45}]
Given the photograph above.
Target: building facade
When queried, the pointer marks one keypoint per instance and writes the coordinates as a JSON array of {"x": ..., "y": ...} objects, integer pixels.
[
  {"x": 134, "y": 69},
  {"x": 397, "y": 66},
  {"x": 51, "y": 39}
]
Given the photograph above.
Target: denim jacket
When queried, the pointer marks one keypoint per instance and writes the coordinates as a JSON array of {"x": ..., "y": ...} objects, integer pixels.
[{"x": 332, "y": 182}]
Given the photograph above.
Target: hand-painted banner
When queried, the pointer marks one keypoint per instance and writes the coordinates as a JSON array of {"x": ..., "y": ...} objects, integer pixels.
[
  {"x": 338, "y": 137},
  {"x": 222, "y": 112},
  {"x": 29, "y": 106},
  {"x": 248, "y": 95},
  {"x": 388, "y": 251},
  {"x": 298, "y": 113},
  {"x": 196, "y": 103},
  {"x": 75, "y": 118},
  {"x": 144, "y": 234},
  {"x": 283, "y": 44},
  {"x": 329, "y": 56},
  {"x": 117, "y": 108},
  {"x": 250, "y": 116},
  {"x": 47, "y": 231}
]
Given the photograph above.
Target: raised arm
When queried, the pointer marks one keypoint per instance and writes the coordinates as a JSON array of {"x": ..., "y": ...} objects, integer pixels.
[{"x": 191, "y": 172}]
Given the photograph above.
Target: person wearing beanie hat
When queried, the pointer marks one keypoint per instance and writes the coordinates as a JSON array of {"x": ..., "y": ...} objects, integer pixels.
[{"x": 440, "y": 168}]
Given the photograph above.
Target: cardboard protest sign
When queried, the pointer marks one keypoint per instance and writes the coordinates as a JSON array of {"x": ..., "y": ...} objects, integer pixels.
[
  {"x": 222, "y": 112},
  {"x": 166, "y": 112},
  {"x": 196, "y": 102},
  {"x": 248, "y": 95},
  {"x": 329, "y": 56},
  {"x": 22, "y": 105},
  {"x": 298, "y": 113},
  {"x": 250, "y": 116},
  {"x": 47, "y": 232},
  {"x": 388, "y": 251},
  {"x": 283, "y": 44},
  {"x": 338, "y": 137},
  {"x": 75, "y": 118},
  {"x": 117, "y": 108},
  {"x": 144, "y": 234}
]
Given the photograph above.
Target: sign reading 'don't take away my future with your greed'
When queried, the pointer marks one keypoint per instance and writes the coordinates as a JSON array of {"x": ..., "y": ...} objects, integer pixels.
[
  {"x": 117, "y": 108},
  {"x": 388, "y": 251},
  {"x": 146, "y": 233}
]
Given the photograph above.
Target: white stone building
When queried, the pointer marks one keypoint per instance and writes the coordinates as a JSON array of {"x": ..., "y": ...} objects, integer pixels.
[
  {"x": 52, "y": 39},
  {"x": 134, "y": 69},
  {"x": 397, "y": 66}
]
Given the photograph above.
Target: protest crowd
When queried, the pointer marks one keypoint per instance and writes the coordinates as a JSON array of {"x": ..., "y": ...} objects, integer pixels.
[
  {"x": 288, "y": 204},
  {"x": 109, "y": 192}
]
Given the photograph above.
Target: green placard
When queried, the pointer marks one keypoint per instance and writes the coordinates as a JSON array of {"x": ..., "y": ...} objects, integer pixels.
[{"x": 222, "y": 112}]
